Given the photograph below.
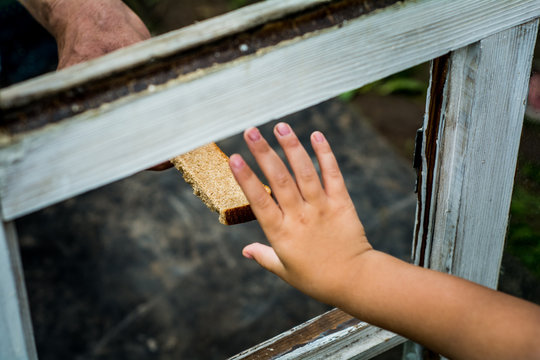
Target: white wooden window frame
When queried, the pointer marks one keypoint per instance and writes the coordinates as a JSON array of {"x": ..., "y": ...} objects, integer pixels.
[{"x": 478, "y": 95}]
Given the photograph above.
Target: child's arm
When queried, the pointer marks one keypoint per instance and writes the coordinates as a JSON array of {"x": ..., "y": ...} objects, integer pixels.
[{"x": 319, "y": 246}]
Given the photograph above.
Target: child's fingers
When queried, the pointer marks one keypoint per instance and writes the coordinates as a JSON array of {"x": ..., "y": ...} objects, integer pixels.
[
  {"x": 266, "y": 257},
  {"x": 262, "y": 204},
  {"x": 281, "y": 182},
  {"x": 306, "y": 176},
  {"x": 334, "y": 185}
]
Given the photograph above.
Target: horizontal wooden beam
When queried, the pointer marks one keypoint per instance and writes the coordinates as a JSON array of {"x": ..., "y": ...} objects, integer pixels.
[
  {"x": 157, "y": 48},
  {"x": 334, "y": 335},
  {"x": 114, "y": 78},
  {"x": 44, "y": 165}
]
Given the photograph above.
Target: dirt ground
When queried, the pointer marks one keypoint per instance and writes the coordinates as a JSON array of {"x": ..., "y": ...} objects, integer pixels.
[{"x": 141, "y": 268}]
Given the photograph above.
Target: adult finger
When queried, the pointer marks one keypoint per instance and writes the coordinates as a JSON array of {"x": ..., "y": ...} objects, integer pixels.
[
  {"x": 282, "y": 183},
  {"x": 161, "y": 167},
  {"x": 306, "y": 176},
  {"x": 262, "y": 204}
]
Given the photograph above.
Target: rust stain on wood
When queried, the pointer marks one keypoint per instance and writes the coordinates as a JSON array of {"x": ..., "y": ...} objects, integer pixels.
[
  {"x": 438, "y": 82},
  {"x": 92, "y": 95}
]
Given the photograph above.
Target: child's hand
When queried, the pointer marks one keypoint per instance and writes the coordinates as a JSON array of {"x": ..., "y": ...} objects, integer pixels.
[
  {"x": 315, "y": 233},
  {"x": 319, "y": 247}
]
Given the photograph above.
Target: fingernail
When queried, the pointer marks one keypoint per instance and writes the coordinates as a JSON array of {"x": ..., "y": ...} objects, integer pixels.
[
  {"x": 236, "y": 161},
  {"x": 283, "y": 129},
  {"x": 318, "y": 136},
  {"x": 247, "y": 255},
  {"x": 254, "y": 134}
]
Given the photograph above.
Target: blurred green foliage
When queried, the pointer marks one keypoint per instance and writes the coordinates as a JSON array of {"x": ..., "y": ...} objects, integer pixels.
[
  {"x": 407, "y": 82},
  {"x": 524, "y": 229},
  {"x": 235, "y": 4},
  {"x": 524, "y": 232}
]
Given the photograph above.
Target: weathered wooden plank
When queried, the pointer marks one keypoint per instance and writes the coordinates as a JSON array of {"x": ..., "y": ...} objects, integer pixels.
[
  {"x": 334, "y": 335},
  {"x": 121, "y": 138},
  {"x": 472, "y": 129},
  {"x": 156, "y": 48},
  {"x": 42, "y": 108},
  {"x": 350, "y": 343},
  {"x": 485, "y": 167},
  {"x": 16, "y": 336}
]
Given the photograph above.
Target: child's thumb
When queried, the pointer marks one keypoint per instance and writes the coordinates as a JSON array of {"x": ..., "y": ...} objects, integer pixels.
[{"x": 265, "y": 256}]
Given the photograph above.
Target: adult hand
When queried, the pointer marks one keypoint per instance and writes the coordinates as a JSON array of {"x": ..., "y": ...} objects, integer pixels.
[{"x": 88, "y": 29}]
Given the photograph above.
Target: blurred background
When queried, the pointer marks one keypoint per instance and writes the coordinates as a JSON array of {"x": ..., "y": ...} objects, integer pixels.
[{"x": 141, "y": 269}]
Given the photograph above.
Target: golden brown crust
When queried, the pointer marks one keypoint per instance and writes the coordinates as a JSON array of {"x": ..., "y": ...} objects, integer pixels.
[{"x": 237, "y": 215}]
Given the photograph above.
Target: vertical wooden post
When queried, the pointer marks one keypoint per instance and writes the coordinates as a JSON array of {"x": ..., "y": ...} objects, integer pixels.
[
  {"x": 472, "y": 129},
  {"x": 16, "y": 335}
]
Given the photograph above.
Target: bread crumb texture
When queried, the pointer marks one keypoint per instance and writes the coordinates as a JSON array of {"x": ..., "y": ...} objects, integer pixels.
[{"x": 207, "y": 170}]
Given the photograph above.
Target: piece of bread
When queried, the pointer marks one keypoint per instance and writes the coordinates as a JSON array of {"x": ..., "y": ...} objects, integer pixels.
[{"x": 207, "y": 170}]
